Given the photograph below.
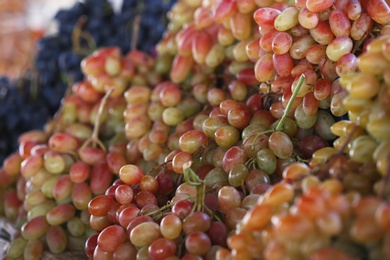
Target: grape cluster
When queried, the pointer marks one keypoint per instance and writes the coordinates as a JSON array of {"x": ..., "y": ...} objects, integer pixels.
[
  {"x": 303, "y": 217},
  {"x": 82, "y": 28},
  {"x": 19, "y": 113},
  {"x": 223, "y": 145},
  {"x": 50, "y": 180}
]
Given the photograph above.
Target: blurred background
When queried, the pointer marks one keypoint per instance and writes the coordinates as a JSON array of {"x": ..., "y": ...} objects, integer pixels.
[{"x": 22, "y": 23}]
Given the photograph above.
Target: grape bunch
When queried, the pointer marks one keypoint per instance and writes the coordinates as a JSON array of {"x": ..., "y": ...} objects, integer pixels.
[
  {"x": 19, "y": 113},
  {"x": 84, "y": 27},
  {"x": 304, "y": 217},
  {"x": 234, "y": 141}
]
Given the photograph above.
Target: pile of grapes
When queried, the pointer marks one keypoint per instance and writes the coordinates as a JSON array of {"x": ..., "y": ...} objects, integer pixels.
[
  {"x": 258, "y": 130},
  {"x": 33, "y": 99}
]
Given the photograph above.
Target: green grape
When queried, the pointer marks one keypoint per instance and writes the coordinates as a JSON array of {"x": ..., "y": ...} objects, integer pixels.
[
  {"x": 362, "y": 148},
  {"x": 266, "y": 160},
  {"x": 238, "y": 175}
]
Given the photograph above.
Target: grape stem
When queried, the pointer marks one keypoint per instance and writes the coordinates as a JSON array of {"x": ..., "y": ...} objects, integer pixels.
[
  {"x": 94, "y": 139},
  {"x": 135, "y": 34},
  {"x": 77, "y": 34},
  {"x": 279, "y": 127},
  {"x": 160, "y": 210},
  {"x": 190, "y": 176},
  {"x": 193, "y": 179}
]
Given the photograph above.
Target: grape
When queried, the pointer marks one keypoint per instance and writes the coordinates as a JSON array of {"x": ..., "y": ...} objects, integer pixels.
[
  {"x": 179, "y": 160},
  {"x": 17, "y": 247},
  {"x": 310, "y": 144},
  {"x": 62, "y": 142},
  {"x": 75, "y": 226},
  {"x": 256, "y": 218},
  {"x": 198, "y": 243},
  {"x": 56, "y": 239},
  {"x": 238, "y": 117},
  {"x": 99, "y": 223},
  {"x": 318, "y": 6},
  {"x": 322, "y": 126},
  {"x": 315, "y": 53},
  {"x": 33, "y": 249},
  {"x": 308, "y": 19},
  {"x": 226, "y": 136},
  {"x": 196, "y": 221},
  {"x": 368, "y": 142},
  {"x": 280, "y": 144},
  {"x": 228, "y": 198},
  {"x": 130, "y": 174},
  {"x": 238, "y": 175},
  {"x": 192, "y": 140},
  {"x": 217, "y": 233},
  {"x": 232, "y": 157},
  {"x": 60, "y": 214},
  {"x": 41, "y": 209},
  {"x": 264, "y": 69},
  {"x": 145, "y": 233},
  {"x": 266, "y": 160},
  {"x": 283, "y": 64},
  {"x": 212, "y": 124},
  {"x": 377, "y": 10},
  {"x": 287, "y": 19},
  {"x": 171, "y": 226},
  {"x": 105, "y": 242},
  {"x": 162, "y": 248},
  {"x": 233, "y": 217},
  {"x": 91, "y": 155},
  {"x": 299, "y": 48},
  {"x": 225, "y": 10},
  {"x": 322, "y": 33},
  {"x": 216, "y": 176},
  {"x": 35, "y": 228},
  {"x": 339, "y": 23},
  {"x": 127, "y": 214},
  {"x": 101, "y": 178},
  {"x": 29, "y": 166},
  {"x": 346, "y": 64},
  {"x": 62, "y": 188},
  {"x": 338, "y": 47},
  {"x": 79, "y": 172},
  {"x": 265, "y": 16}
]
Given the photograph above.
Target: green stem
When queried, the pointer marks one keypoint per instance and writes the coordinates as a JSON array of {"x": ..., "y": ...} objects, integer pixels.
[
  {"x": 211, "y": 213},
  {"x": 94, "y": 139},
  {"x": 261, "y": 133},
  {"x": 160, "y": 210},
  {"x": 279, "y": 127},
  {"x": 192, "y": 179},
  {"x": 190, "y": 176},
  {"x": 200, "y": 194}
]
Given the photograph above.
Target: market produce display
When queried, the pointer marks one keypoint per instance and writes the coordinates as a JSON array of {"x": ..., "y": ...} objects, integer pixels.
[
  {"x": 257, "y": 130},
  {"x": 33, "y": 99}
]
